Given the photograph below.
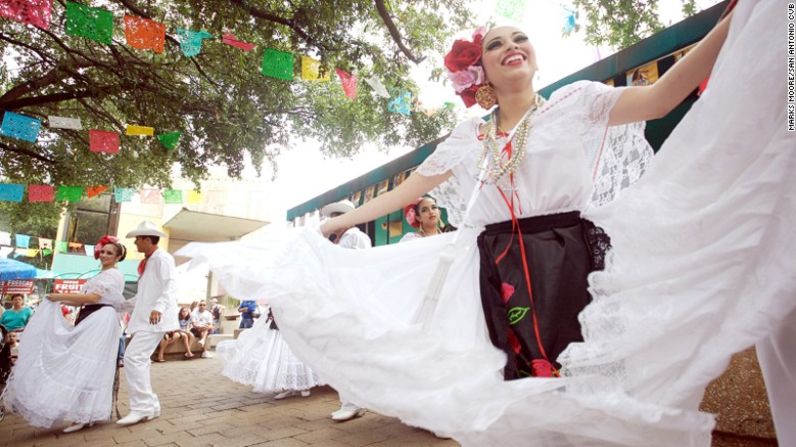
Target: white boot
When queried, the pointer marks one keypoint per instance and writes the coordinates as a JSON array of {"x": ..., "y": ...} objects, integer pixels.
[
  {"x": 76, "y": 427},
  {"x": 135, "y": 417}
]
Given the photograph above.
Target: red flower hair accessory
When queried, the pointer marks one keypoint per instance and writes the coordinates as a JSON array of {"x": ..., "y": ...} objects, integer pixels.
[
  {"x": 410, "y": 214},
  {"x": 463, "y": 63},
  {"x": 105, "y": 239}
]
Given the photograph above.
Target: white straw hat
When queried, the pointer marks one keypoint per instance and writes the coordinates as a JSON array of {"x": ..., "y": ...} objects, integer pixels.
[
  {"x": 342, "y": 207},
  {"x": 147, "y": 228}
]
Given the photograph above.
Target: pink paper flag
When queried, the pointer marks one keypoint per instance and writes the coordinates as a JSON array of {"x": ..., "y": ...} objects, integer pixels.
[
  {"x": 41, "y": 193},
  {"x": 349, "y": 82},
  {"x": 230, "y": 39},
  {"x": 33, "y": 12},
  {"x": 103, "y": 141},
  {"x": 150, "y": 196}
]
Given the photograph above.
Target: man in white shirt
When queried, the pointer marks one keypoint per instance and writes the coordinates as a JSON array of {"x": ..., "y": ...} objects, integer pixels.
[
  {"x": 352, "y": 238},
  {"x": 201, "y": 322},
  {"x": 154, "y": 314}
]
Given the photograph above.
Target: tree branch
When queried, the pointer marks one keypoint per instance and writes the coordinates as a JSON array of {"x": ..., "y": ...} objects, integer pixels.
[
  {"x": 26, "y": 152},
  {"x": 396, "y": 35},
  {"x": 46, "y": 99},
  {"x": 290, "y": 23}
]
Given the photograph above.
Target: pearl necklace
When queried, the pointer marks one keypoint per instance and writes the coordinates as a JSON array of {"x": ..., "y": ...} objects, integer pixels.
[{"x": 497, "y": 169}]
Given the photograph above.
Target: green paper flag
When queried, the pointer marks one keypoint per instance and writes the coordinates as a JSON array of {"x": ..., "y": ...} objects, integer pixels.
[
  {"x": 172, "y": 196},
  {"x": 46, "y": 252},
  {"x": 169, "y": 140},
  {"x": 92, "y": 23},
  {"x": 511, "y": 9},
  {"x": 69, "y": 193},
  {"x": 277, "y": 64},
  {"x": 61, "y": 247}
]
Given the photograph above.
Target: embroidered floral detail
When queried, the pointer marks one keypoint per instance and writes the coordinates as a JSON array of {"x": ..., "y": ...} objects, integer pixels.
[
  {"x": 514, "y": 342},
  {"x": 516, "y": 314},
  {"x": 506, "y": 291},
  {"x": 542, "y": 368}
]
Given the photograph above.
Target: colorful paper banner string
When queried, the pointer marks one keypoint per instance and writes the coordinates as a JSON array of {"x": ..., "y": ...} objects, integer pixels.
[
  {"x": 33, "y": 12},
  {"x": 5, "y": 251},
  {"x": 103, "y": 141},
  {"x": 194, "y": 197},
  {"x": 311, "y": 70},
  {"x": 172, "y": 196},
  {"x": 92, "y": 23},
  {"x": 5, "y": 238},
  {"x": 511, "y": 9},
  {"x": 46, "y": 251},
  {"x": 41, "y": 193},
  {"x": 169, "y": 140},
  {"x": 21, "y": 127},
  {"x": 378, "y": 88},
  {"x": 277, "y": 64},
  {"x": 69, "y": 194},
  {"x": 144, "y": 34},
  {"x": 191, "y": 41},
  {"x": 94, "y": 191},
  {"x": 150, "y": 196},
  {"x": 349, "y": 83},
  {"x": 62, "y": 122},
  {"x": 31, "y": 252},
  {"x": 11, "y": 192},
  {"x": 401, "y": 104},
  {"x": 122, "y": 195},
  {"x": 141, "y": 131},
  {"x": 61, "y": 247},
  {"x": 45, "y": 243},
  {"x": 22, "y": 240},
  {"x": 231, "y": 40}
]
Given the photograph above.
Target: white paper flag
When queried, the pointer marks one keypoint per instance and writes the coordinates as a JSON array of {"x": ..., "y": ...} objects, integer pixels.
[
  {"x": 377, "y": 87},
  {"x": 5, "y": 251},
  {"x": 5, "y": 238},
  {"x": 60, "y": 122}
]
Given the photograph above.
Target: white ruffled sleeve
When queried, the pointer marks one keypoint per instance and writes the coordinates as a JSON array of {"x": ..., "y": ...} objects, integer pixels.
[
  {"x": 449, "y": 156},
  {"x": 109, "y": 285},
  {"x": 619, "y": 154}
]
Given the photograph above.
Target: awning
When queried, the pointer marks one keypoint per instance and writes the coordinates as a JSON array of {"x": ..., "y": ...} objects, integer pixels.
[{"x": 194, "y": 226}]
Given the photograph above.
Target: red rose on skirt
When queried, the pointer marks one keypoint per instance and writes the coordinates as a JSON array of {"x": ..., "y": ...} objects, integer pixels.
[
  {"x": 542, "y": 368},
  {"x": 463, "y": 54}
]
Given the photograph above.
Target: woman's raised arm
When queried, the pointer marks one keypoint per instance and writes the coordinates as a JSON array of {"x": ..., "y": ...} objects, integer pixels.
[
  {"x": 656, "y": 100},
  {"x": 413, "y": 187}
]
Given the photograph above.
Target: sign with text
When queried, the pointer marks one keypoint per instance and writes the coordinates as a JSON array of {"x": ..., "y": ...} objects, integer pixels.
[{"x": 68, "y": 285}]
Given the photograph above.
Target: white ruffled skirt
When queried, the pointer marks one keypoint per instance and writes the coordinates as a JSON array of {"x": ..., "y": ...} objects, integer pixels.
[
  {"x": 701, "y": 267},
  {"x": 260, "y": 357},
  {"x": 64, "y": 372}
]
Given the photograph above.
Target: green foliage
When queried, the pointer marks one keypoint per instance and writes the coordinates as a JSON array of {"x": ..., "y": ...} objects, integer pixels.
[
  {"x": 225, "y": 109},
  {"x": 623, "y": 23},
  {"x": 33, "y": 219}
]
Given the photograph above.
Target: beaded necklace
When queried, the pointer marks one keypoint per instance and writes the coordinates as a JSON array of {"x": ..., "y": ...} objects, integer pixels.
[{"x": 497, "y": 169}]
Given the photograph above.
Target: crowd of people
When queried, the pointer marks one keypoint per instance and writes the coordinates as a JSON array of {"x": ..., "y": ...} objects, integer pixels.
[{"x": 557, "y": 296}]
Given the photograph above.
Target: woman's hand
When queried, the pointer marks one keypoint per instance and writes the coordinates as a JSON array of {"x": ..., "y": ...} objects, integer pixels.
[{"x": 53, "y": 297}]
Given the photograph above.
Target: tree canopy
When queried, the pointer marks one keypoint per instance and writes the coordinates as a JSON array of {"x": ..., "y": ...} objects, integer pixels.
[
  {"x": 622, "y": 23},
  {"x": 226, "y": 110}
]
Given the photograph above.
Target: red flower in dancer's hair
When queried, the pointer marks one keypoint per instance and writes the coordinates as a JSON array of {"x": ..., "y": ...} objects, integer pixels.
[
  {"x": 463, "y": 54},
  {"x": 542, "y": 368},
  {"x": 514, "y": 342},
  {"x": 506, "y": 291}
]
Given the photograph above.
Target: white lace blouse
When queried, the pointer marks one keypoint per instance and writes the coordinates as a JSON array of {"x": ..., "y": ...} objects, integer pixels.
[
  {"x": 573, "y": 159},
  {"x": 109, "y": 285}
]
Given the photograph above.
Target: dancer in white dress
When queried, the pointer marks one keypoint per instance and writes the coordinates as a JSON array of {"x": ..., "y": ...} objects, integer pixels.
[
  {"x": 701, "y": 265},
  {"x": 260, "y": 357},
  {"x": 65, "y": 372},
  {"x": 422, "y": 214}
]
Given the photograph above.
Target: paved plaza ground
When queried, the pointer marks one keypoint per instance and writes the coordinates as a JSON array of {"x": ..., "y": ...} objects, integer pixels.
[{"x": 202, "y": 408}]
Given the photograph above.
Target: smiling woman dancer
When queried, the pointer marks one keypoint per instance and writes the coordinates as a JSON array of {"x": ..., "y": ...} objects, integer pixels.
[
  {"x": 65, "y": 372},
  {"x": 704, "y": 231}
]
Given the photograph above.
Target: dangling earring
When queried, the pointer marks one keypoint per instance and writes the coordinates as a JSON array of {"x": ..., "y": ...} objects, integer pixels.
[{"x": 486, "y": 97}]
